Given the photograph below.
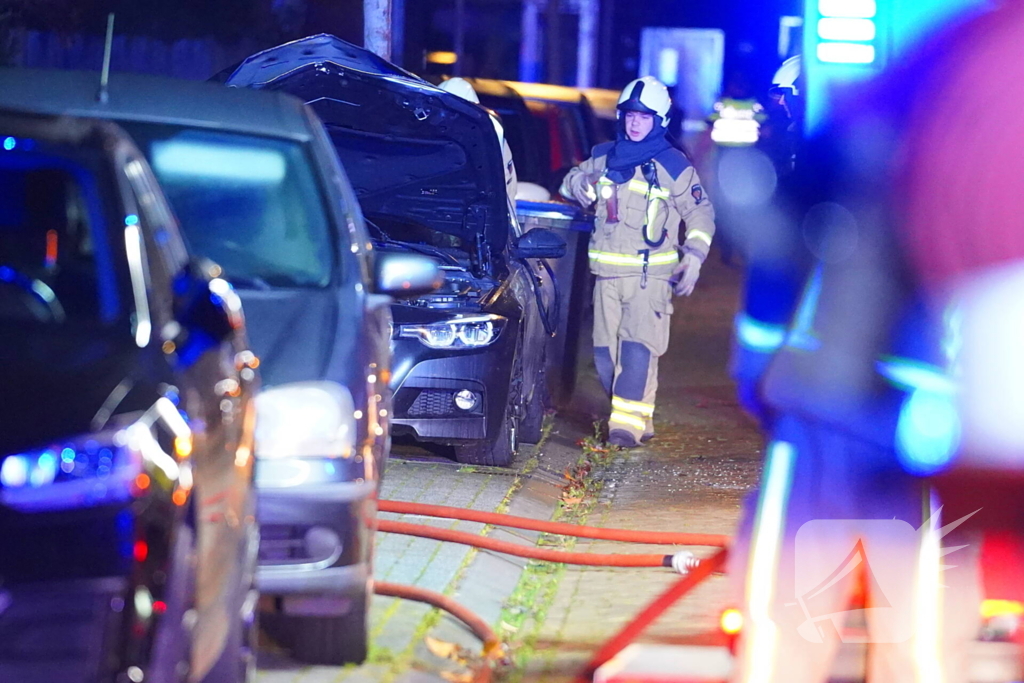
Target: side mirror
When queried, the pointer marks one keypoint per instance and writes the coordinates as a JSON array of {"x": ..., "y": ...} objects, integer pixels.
[
  {"x": 539, "y": 243},
  {"x": 205, "y": 304},
  {"x": 404, "y": 276}
]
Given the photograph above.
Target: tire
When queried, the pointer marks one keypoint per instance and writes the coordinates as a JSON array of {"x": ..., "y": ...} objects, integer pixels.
[
  {"x": 499, "y": 451},
  {"x": 323, "y": 640},
  {"x": 531, "y": 427}
]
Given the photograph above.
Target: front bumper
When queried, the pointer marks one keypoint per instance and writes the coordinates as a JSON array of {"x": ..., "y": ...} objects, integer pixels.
[
  {"x": 61, "y": 631},
  {"x": 424, "y": 399},
  {"x": 316, "y": 539}
]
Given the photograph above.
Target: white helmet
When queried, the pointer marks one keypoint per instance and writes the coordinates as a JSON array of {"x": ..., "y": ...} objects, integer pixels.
[
  {"x": 460, "y": 87},
  {"x": 787, "y": 75},
  {"x": 648, "y": 95}
]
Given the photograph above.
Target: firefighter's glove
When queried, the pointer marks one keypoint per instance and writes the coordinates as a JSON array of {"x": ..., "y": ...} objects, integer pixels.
[
  {"x": 685, "y": 275},
  {"x": 582, "y": 191}
]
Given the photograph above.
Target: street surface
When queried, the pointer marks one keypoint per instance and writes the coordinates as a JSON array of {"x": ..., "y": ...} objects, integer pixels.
[{"x": 692, "y": 477}]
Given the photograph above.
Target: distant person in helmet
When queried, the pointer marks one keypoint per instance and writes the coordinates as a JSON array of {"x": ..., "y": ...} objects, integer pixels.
[
  {"x": 653, "y": 231},
  {"x": 462, "y": 88},
  {"x": 781, "y": 133}
]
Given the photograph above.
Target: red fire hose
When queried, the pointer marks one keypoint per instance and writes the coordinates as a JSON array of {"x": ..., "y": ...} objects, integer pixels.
[
  {"x": 560, "y": 528},
  {"x": 640, "y": 622},
  {"x": 492, "y": 644},
  {"x": 532, "y": 553},
  {"x": 479, "y": 627},
  {"x": 700, "y": 569}
]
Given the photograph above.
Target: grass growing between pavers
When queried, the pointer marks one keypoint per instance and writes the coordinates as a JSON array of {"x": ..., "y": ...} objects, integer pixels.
[
  {"x": 526, "y": 609},
  {"x": 397, "y": 663}
]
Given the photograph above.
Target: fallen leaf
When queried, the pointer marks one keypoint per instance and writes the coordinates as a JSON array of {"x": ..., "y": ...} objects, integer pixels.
[
  {"x": 572, "y": 501},
  {"x": 442, "y": 648}
]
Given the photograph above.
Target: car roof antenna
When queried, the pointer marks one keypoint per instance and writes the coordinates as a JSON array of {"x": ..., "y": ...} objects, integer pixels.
[{"x": 103, "y": 96}]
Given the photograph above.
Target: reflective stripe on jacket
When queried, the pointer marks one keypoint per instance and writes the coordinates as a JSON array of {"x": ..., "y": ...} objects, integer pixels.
[{"x": 619, "y": 248}]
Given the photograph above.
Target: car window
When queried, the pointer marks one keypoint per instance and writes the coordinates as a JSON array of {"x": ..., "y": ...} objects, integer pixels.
[
  {"x": 55, "y": 263},
  {"x": 251, "y": 204}
]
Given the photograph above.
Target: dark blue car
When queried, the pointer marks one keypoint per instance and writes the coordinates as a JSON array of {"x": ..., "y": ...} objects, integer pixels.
[
  {"x": 258, "y": 190},
  {"x": 126, "y": 434}
]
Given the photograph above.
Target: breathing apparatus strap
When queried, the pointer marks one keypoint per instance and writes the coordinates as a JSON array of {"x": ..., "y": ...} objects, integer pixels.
[{"x": 651, "y": 176}]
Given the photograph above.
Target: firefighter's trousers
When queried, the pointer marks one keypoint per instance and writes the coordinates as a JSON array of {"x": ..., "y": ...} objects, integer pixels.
[
  {"x": 822, "y": 493},
  {"x": 632, "y": 317}
]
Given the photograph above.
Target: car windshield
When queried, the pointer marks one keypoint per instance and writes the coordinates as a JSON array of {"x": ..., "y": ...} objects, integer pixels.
[
  {"x": 251, "y": 204},
  {"x": 55, "y": 260}
]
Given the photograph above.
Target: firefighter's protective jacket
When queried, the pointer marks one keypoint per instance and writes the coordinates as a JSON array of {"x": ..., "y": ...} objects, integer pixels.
[{"x": 645, "y": 239}]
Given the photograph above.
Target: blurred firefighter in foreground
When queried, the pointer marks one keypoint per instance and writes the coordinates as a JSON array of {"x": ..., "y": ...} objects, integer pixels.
[
  {"x": 968, "y": 250},
  {"x": 644, "y": 188},
  {"x": 889, "y": 370}
]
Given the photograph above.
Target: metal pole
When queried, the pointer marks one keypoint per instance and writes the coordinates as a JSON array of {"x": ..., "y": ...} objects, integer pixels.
[
  {"x": 460, "y": 37},
  {"x": 377, "y": 27},
  {"x": 553, "y": 42},
  {"x": 529, "y": 46},
  {"x": 586, "y": 50},
  {"x": 398, "y": 32}
]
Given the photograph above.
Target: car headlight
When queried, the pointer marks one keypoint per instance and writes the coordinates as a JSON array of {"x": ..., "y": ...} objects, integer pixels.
[
  {"x": 84, "y": 472},
  {"x": 305, "y": 419},
  {"x": 458, "y": 333}
]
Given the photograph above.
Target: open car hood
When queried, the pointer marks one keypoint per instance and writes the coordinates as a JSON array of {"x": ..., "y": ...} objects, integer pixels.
[{"x": 410, "y": 149}]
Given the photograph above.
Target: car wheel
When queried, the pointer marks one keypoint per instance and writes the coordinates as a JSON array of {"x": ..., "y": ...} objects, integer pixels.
[
  {"x": 532, "y": 426},
  {"x": 499, "y": 451},
  {"x": 324, "y": 640}
]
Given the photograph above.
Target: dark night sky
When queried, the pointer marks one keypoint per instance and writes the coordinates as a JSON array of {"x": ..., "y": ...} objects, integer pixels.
[{"x": 493, "y": 26}]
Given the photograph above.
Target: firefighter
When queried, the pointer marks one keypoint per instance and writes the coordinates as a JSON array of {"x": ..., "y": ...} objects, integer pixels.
[
  {"x": 850, "y": 377},
  {"x": 462, "y": 88},
  {"x": 644, "y": 189},
  {"x": 737, "y": 117}
]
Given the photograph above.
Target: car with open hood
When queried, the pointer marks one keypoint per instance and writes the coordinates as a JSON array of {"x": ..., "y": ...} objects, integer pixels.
[
  {"x": 468, "y": 360},
  {"x": 530, "y": 142},
  {"x": 258, "y": 189},
  {"x": 126, "y": 434}
]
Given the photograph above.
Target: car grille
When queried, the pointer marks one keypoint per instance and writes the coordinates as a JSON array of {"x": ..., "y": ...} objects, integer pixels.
[
  {"x": 284, "y": 544},
  {"x": 434, "y": 403}
]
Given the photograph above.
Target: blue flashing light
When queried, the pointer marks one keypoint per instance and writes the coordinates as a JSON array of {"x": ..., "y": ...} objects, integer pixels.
[
  {"x": 10, "y": 143},
  {"x": 853, "y": 9},
  {"x": 131, "y": 219},
  {"x": 846, "y": 53},
  {"x": 14, "y": 471},
  {"x": 928, "y": 432},
  {"x": 45, "y": 469},
  {"x": 847, "y": 29},
  {"x": 758, "y": 336}
]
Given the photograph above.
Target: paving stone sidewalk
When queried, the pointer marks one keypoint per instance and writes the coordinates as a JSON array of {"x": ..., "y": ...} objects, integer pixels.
[
  {"x": 481, "y": 580},
  {"x": 691, "y": 478}
]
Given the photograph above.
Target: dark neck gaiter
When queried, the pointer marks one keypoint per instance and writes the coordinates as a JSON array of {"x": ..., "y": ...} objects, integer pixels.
[{"x": 625, "y": 155}]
